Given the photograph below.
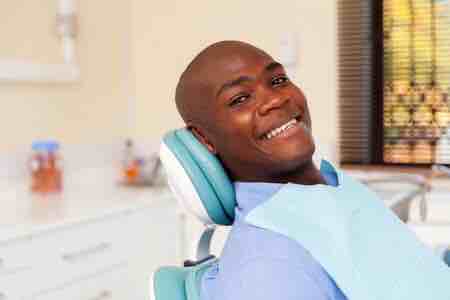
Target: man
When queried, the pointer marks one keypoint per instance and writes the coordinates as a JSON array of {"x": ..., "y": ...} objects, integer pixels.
[{"x": 238, "y": 101}]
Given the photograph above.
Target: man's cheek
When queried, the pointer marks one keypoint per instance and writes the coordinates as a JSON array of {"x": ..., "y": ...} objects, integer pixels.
[{"x": 241, "y": 120}]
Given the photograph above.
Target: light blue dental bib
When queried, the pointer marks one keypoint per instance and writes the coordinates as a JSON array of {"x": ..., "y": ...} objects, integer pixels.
[{"x": 364, "y": 247}]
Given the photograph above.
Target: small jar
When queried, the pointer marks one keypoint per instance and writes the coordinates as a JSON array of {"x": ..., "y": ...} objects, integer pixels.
[
  {"x": 131, "y": 165},
  {"x": 45, "y": 167}
]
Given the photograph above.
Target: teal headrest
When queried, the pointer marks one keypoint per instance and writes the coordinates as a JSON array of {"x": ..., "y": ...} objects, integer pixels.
[{"x": 197, "y": 178}]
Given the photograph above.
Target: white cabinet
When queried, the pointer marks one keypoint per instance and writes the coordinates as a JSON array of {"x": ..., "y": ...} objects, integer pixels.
[
  {"x": 104, "y": 256},
  {"x": 155, "y": 244},
  {"x": 110, "y": 283}
]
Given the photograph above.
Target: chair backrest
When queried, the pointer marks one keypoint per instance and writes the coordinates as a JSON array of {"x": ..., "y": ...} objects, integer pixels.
[
  {"x": 202, "y": 187},
  {"x": 197, "y": 178}
]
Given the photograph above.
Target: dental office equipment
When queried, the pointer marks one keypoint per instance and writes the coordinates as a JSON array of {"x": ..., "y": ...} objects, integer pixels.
[
  {"x": 202, "y": 187},
  {"x": 435, "y": 211},
  {"x": 137, "y": 168},
  {"x": 441, "y": 168},
  {"x": 410, "y": 190},
  {"x": 430, "y": 218}
]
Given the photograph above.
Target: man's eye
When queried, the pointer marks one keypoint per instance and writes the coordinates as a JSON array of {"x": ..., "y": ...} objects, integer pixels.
[
  {"x": 238, "y": 100},
  {"x": 279, "y": 80}
]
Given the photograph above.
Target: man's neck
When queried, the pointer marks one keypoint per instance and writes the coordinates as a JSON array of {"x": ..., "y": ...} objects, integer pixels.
[{"x": 307, "y": 175}]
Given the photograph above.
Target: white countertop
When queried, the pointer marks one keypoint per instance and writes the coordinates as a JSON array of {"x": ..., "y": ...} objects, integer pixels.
[{"x": 90, "y": 194}]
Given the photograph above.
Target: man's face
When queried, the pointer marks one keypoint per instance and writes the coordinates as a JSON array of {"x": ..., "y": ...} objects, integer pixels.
[{"x": 261, "y": 127}]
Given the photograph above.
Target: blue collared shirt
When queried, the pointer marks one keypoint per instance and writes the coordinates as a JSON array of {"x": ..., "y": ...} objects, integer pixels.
[{"x": 259, "y": 264}]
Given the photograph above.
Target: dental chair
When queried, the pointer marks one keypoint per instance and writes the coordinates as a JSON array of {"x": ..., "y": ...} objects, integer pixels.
[{"x": 202, "y": 187}]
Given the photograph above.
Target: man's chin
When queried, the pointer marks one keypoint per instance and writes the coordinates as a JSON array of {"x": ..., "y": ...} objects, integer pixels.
[
  {"x": 296, "y": 150},
  {"x": 289, "y": 161}
]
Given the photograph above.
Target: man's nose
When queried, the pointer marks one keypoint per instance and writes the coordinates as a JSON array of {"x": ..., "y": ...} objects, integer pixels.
[{"x": 270, "y": 100}]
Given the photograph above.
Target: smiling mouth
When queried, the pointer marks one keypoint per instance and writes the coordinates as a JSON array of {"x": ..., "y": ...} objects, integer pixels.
[{"x": 296, "y": 121}]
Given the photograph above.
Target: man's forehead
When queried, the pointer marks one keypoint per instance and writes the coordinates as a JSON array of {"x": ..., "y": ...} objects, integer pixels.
[
  {"x": 211, "y": 68},
  {"x": 237, "y": 62},
  {"x": 233, "y": 65}
]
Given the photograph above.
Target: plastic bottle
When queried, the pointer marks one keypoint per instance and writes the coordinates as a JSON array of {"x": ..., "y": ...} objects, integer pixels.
[
  {"x": 131, "y": 165},
  {"x": 45, "y": 167}
]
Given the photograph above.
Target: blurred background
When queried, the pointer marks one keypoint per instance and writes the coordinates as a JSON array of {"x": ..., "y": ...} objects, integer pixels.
[
  {"x": 87, "y": 92},
  {"x": 130, "y": 55}
]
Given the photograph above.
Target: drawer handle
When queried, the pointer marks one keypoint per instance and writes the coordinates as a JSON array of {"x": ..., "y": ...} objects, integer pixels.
[
  {"x": 105, "y": 294},
  {"x": 97, "y": 249},
  {"x": 2, "y": 265}
]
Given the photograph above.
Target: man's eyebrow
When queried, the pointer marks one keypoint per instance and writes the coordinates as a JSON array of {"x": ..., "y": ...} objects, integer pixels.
[
  {"x": 272, "y": 66},
  {"x": 229, "y": 84},
  {"x": 232, "y": 83}
]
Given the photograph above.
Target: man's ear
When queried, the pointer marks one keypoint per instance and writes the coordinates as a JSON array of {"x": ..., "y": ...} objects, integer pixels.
[{"x": 202, "y": 138}]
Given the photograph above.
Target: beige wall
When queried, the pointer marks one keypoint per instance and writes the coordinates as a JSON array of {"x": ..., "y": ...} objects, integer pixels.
[
  {"x": 167, "y": 34},
  {"x": 139, "y": 48},
  {"x": 92, "y": 110}
]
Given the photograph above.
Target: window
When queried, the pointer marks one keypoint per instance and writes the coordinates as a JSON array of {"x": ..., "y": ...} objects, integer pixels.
[{"x": 395, "y": 81}]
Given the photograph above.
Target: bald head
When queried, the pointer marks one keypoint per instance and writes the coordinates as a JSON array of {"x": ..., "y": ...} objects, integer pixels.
[
  {"x": 235, "y": 98},
  {"x": 195, "y": 90}
]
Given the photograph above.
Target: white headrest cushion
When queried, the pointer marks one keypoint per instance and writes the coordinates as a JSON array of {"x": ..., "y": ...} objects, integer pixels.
[{"x": 181, "y": 185}]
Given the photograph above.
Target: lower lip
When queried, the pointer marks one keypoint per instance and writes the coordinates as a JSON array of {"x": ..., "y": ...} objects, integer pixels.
[{"x": 297, "y": 127}]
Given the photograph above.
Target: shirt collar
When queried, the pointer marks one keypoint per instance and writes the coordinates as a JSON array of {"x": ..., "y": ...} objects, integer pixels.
[{"x": 251, "y": 194}]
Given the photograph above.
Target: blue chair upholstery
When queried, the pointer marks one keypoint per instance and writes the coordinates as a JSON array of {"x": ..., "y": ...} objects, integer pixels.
[
  {"x": 179, "y": 283},
  {"x": 203, "y": 172},
  {"x": 447, "y": 257},
  {"x": 201, "y": 185},
  {"x": 168, "y": 283}
]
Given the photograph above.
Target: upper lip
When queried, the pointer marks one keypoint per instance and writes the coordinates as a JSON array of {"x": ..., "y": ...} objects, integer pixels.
[{"x": 296, "y": 116}]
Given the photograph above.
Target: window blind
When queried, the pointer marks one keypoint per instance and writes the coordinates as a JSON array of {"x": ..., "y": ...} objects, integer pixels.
[{"x": 356, "y": 69}]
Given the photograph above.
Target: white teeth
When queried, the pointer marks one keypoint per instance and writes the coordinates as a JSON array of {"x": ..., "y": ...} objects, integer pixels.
[{"x": 277, "y": 131}]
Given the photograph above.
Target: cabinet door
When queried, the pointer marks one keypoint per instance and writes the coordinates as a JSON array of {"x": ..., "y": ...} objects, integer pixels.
[
  {"x": 14, "y": 256},
  {"x": 154, "y": 242},
  {"x": 78, "y": 248},
  {"x": 107, "y": 284},
  {"x": 19, "y": 262},
  {"x": 15, "y": 285}
]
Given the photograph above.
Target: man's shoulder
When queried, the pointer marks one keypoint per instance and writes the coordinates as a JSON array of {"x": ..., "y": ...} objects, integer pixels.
[
  {"x": 272, "y": 278},
  {"x": 259, "y": 263},
  {"x": 252, "y": 248},
  {"x": 246, "y": 242}
]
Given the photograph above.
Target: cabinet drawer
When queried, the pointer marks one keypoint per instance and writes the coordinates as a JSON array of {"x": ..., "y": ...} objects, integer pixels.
[
  {"x": 8, "y": 296},
  {"x": 107, "y": 284},
  {"x": 18, "y": 284},
  {"x": 17, "y": 256},
  {"x": 78, "y": 248}
]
